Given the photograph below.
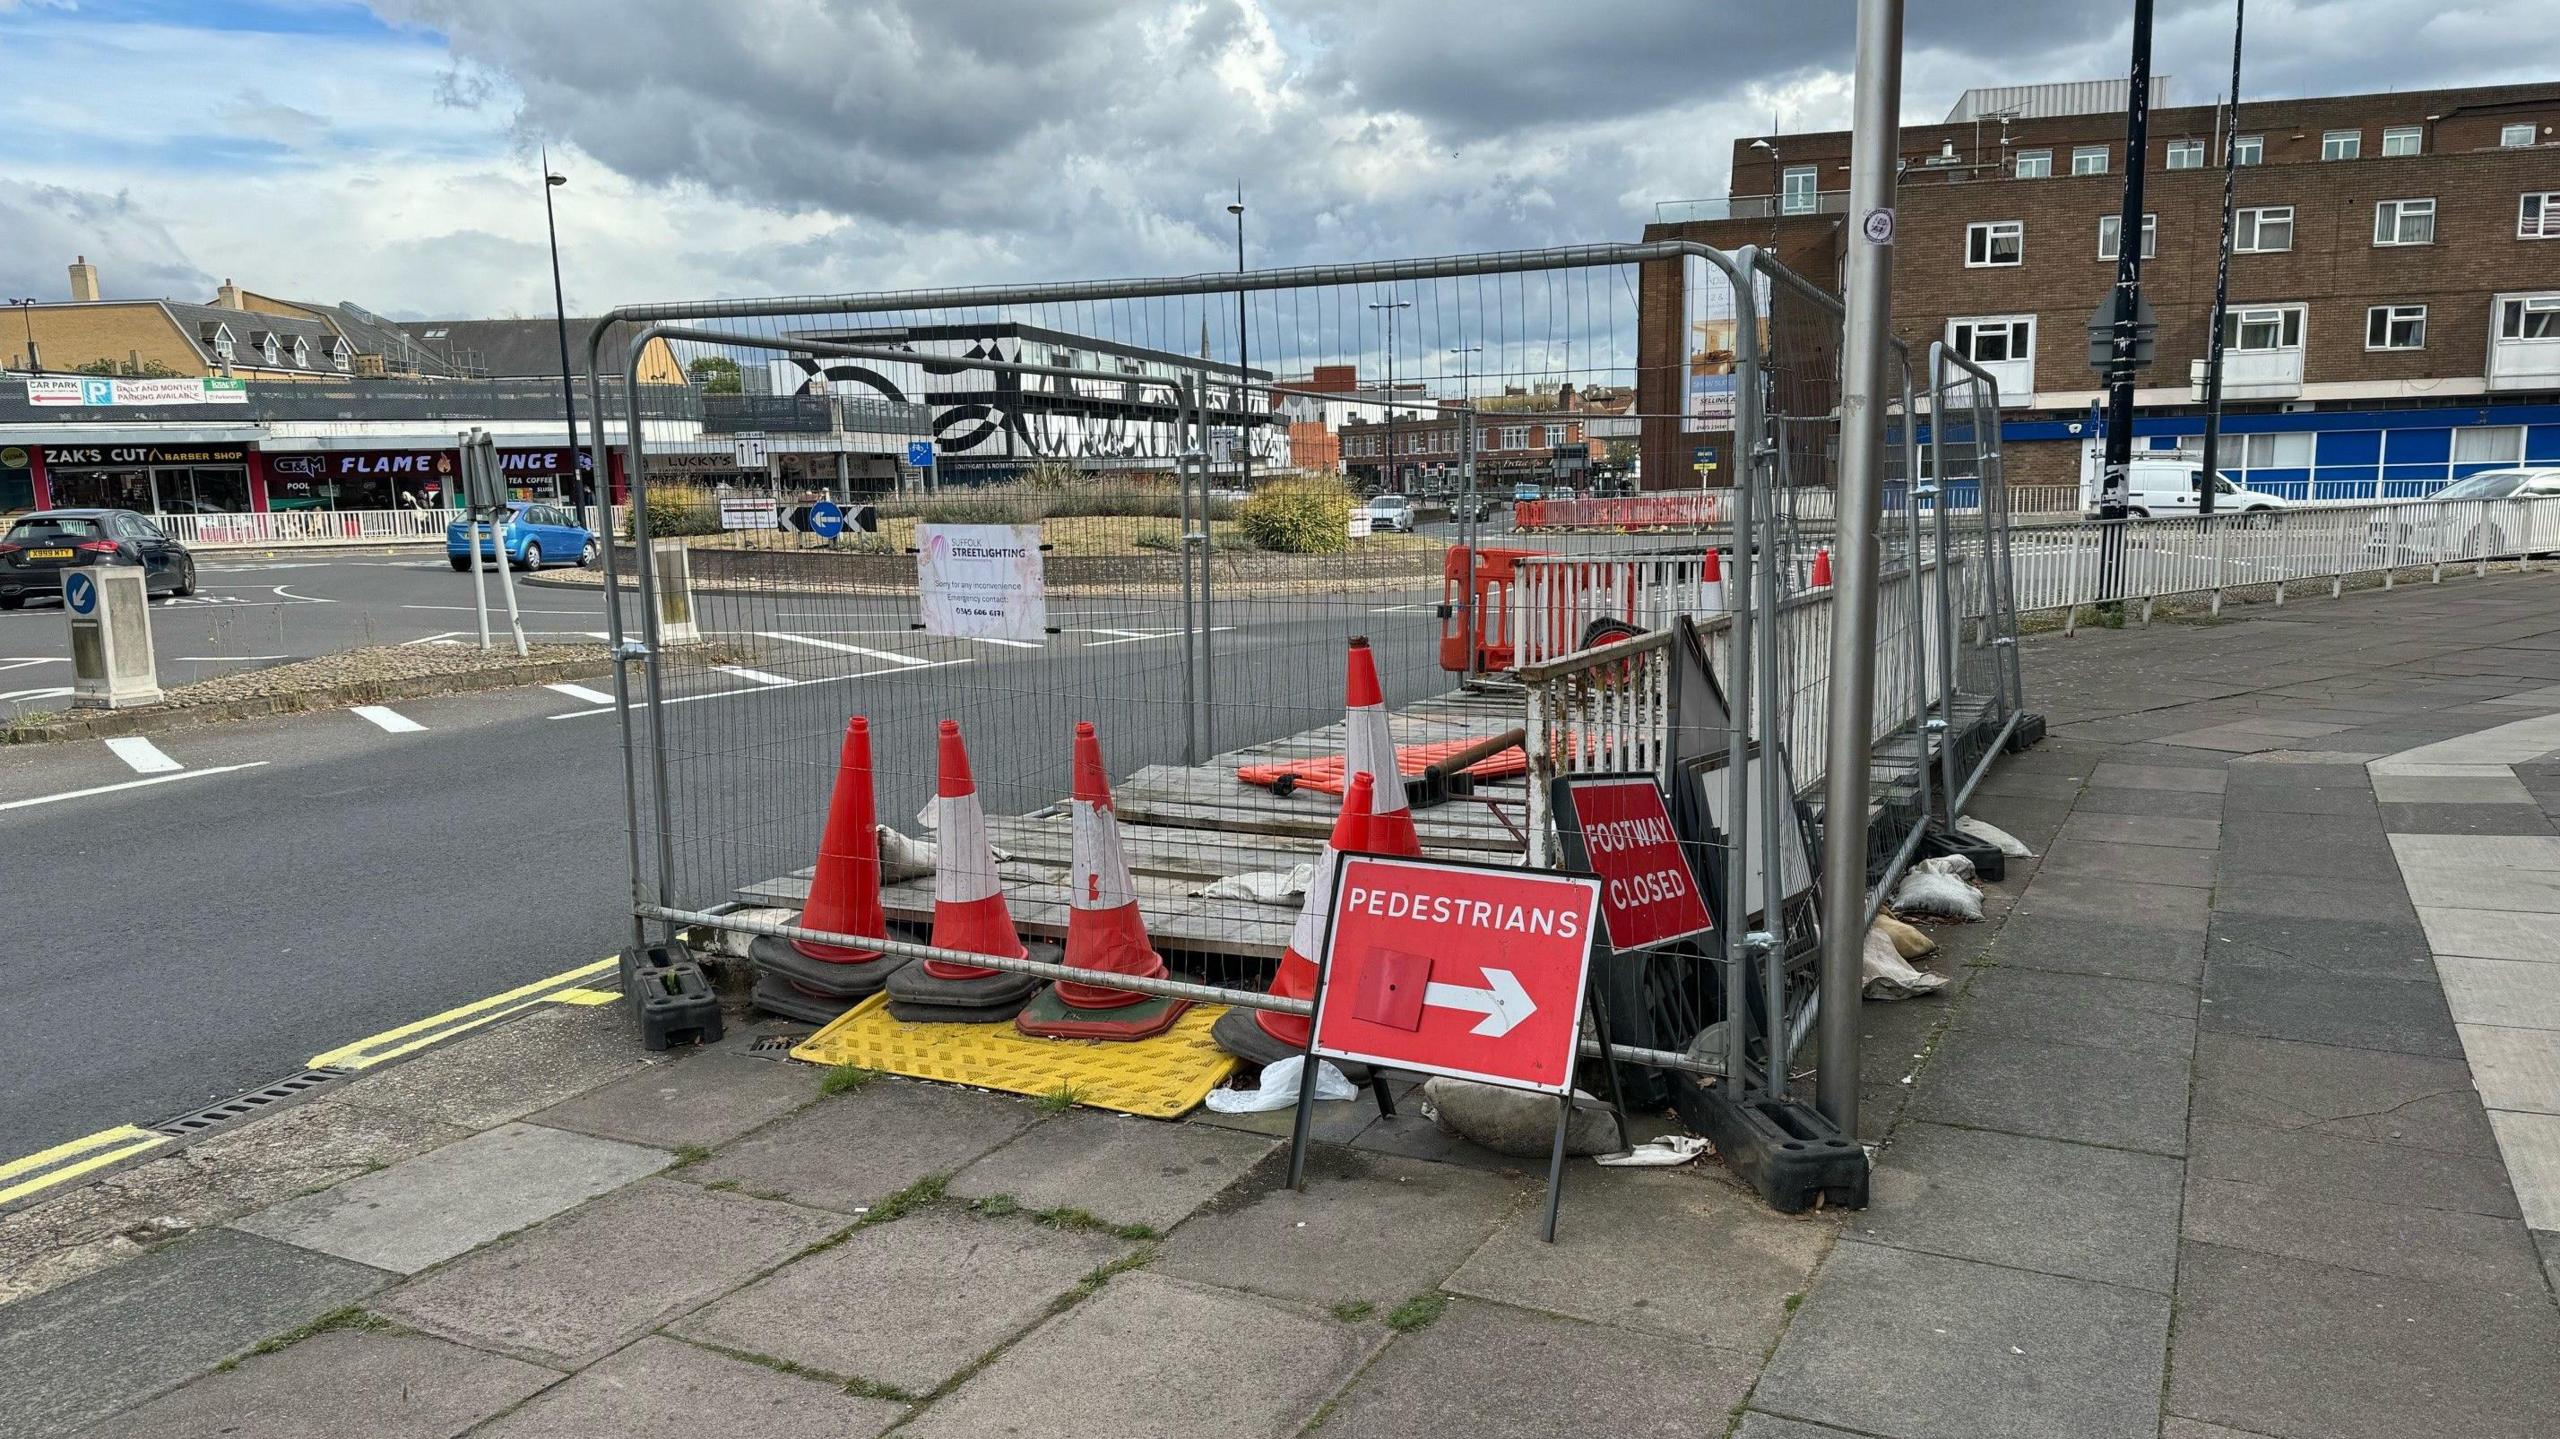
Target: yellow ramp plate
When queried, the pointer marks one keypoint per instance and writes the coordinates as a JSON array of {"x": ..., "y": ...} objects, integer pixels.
[{"x": 1162, "y": 1078}]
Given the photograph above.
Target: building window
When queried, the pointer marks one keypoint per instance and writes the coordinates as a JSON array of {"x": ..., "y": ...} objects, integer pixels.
[
  {"x": 222, "y": 348},
  {"x": 2034, "y": 164},
  {"x": 2263, "y": 327},
  {"x": 1515, "y": 437},
  {"x": 1796, "y": 189},
  {"x": 2088, "y": 159},
  {"x": 2186, "y": 154},
  {"x": 2341, "y": 144},
  {"x": 301, "y": 353},
  {"x": 2395, "y": 327},
  {"x": 2402, "y": 140},
  {"x": 2529, "y": 317},
  {"x": 1994, "y": 242},
  {"x": 338, "y": 356},
  {"x": 2285, "y": 450},
  {"x": 2108, "y": 225},
  {"x": 2538, "y": 216},
  {"x": 2404, "y": 222},
  {"x": 2263, "y": 231},
  {"x": 2248, "y": 149},
  {"x": 2488, "y": 445},
  {"x": 267, "y": 347},
  {"x": 2516, "y": 137},
  {"x": 1993, "y": 339}
]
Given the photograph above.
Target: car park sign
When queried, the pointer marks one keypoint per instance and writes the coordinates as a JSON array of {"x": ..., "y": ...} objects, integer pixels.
[
  {"x": 1475, "y": 971},
  {"x": 1618, "y": 827}
]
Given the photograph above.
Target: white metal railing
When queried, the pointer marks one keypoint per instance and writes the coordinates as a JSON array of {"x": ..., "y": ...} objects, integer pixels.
[{"x": 315, "y": 527}]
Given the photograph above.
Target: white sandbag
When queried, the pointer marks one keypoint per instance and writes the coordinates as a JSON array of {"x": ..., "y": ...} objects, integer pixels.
[
  {"x": 1889, "y": 976},
  {"x": 903, "y": 856},
  {"x": 1994, "y": 836},
  {"x": 1266, "y": 886},
  {"x": 730, "y": 944},
  {"x": 1518, "y": 1122},
  {"x": 1278, "y": 1088},
  {"x": 1954, "y": 865},
  {"x": 1925, "y": 892}
]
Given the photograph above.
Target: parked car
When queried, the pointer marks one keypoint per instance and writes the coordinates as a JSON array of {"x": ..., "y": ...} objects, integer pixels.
[
  {"x": 1392, "y": 513},
  {"x": 2168, "y": 488},
  {"x": 2440, "y": 527},
  {"x": 536, "y": 535},
  {"x": 41, "y": 546}
]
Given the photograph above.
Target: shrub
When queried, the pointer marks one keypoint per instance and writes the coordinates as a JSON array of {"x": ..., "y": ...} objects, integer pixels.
[
  {"x": 680, "y": 509},
  {"x": 1308, "y": 515}
]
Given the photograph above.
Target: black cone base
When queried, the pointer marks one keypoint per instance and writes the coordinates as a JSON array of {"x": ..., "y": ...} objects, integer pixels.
[
  {"x": 776, "y": 958},
  {"x": 919, "y": 997}
]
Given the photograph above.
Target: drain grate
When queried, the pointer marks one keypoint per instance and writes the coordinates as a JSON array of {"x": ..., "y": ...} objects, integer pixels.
[
  {"x": 256, "y": 1101},
  {"x": 776, "y": 1044}
]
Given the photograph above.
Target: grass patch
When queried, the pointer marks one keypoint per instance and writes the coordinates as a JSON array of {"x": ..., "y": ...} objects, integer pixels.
[
  {"x": 1795, "y": 1301},
  {"x": 1352, "y": 1311},
  {"x": 1059, "y": 1100},
  {"x": 923, "y": 1192},
  {"x": 353, "y": 1316},
  {"x": 874, "y": 1389},
  {"x": 722, "y": 1186},
  {"x": 1417, "y": 1312},
  {"x": 1068, "y": 1218},
  {"x": 1092, "y": 1283},
  {"x": 995, "y": 1206},
  {"x": 689, "y": 1155},
  {"x": 845, "y": 1079}
]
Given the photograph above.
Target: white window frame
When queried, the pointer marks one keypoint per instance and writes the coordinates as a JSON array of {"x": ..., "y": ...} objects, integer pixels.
[
  {"x": 2283, "y": 317},
  {"x": 1514, "y": 437},
  {"x": 2508, "y": 138},
  {"x": 2248, "y": 149},
  {"x": 2191, "y": 151},
  {"x": 338, "y": 354},
  {"x": 301, "y": 352},
  {"x": 2150, "y": 236},
  {"x": 2411, "y": 139},
  {"x": 1965, "y": 334},
  {"x": 2041, "y": 159},
  {"x": 2081, "y": 154},
  {"x": 1795, "y": 199},
  {"x": 2390, "y": 319},
  {"x": 2346, "y": 144},
  {"x": 2249, "y": 230},
  {"x": 1989, "y": 233},
  {"x": 267, "y": 348},
  {"x": 2400, "y": 213},
  {"x": 2538, "y": 215},
  {"x": 2264, "y": 443},
  {"x": 2514, "y": 308}
]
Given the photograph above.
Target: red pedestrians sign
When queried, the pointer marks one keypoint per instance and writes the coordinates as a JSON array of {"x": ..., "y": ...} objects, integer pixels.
[
  {"x": 1617, "y": 827},
  {"x": 1466, "y": 970}
]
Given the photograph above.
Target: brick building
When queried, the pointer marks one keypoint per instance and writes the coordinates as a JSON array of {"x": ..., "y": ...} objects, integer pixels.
[
  {"x": 2395, "y": 286},
  {"x": 1517, "y": 438}
]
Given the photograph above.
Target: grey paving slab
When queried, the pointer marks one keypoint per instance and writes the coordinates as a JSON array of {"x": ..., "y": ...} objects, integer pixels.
[
  {"x": 2411, "y": 1099},
  {"x": 2105, "y": 947},
  {"x": 2188, "y": 778},
  {"x": 2034, "y": 822},
  {"x": 2145, "y": 863},
  {"x": 1130, "y": 1171},
  {"x": 510, "y": 1069},
  {"x": 2174, "y": 1427},
  {"x": 2488, "y": 852},
  {"x": 2548, "y": 1242},
  {"x": 2449, "y": 789},
  {"x": 2317, "y": 1164},
  {"x": 426, "y": 1210},
  {"x": 75, "y": 1355},
  {"x": 2457, "y": 885},
  {"x": 2155, "y": 803},
  {"x": 1756, "y": 1425},
  {"x": 2027, "y": 784},
  {"x": 856, "y": 1149},
  {"x": 2227, "y": 739},
  {"x": 593, "y": 1280},
  {"x": 927, "y": 1294},
  {"x": 2308, "y": 848},
  {"x": 332, "y": 1385},
  {"x": 2077, "y": 1092},
  {"x": 1408, "y": 1133},
  {"x": 2091, "y": 896},
  {"x": 2080, "y": 1008},
  {"x": 2444, "y": 1246},
  {"x": 1335, "y": 1121},
  {"x": 1606, "y": 1264},
  {"x": 1494, "y": 1372},
  {"x": 2519, "y": 993},
  {"x": 660, "y": 1389},
  {"x": 2289, "y": 1347},
  {"x": 1155, "y": 1358},
  {"x": 2301, "y": 896},
  {"x": 1370, "y": 1227},
  {"x": 2514, "y": 1068},
  {"x": 2530, "y": 1144},
  {"x": 2490, "y": 934},
  {"x": 2144, "y": 829},
  {"x": 2387, "y": 948},
  {"x": 1924, "y": 1347},
  {"x": 2360, "y": 1011},
  {"x": 706, "y": 1099},
  {"x": 2343, "y": 800},
  {"x": 2071, "y": 1209}
]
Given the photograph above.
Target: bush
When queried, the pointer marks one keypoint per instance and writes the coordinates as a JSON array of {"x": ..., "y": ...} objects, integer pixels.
[
  {"x": 1304, "y": 516},
  {"x": 1047, "y": 494},
  {"x": 678, "y": 509}
]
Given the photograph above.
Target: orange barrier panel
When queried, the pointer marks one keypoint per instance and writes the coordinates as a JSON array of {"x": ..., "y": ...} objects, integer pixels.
[{"x": 1497, "y": 575}]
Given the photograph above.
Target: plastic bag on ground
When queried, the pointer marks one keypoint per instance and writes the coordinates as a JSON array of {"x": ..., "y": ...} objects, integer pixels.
[
  {"x": 1278, "y": 1088},
  {"x": 1908, "y": 941},
  {"x": 1889, "y": 976},
  {"x": 1661, "y": 1153},
  {"x": 1268, "y": 886},
  {"x": 1943, "y": 895},
  {"x": 1994, "y": 836}
]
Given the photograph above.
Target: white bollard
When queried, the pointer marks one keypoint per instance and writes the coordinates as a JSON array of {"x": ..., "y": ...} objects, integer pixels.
[
  {"x": 673, "y": 562},
  {"x": 112, "y": 666}
]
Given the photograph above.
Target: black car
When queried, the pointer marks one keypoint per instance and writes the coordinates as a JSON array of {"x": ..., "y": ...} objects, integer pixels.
[{"x": 40, "y": 546}]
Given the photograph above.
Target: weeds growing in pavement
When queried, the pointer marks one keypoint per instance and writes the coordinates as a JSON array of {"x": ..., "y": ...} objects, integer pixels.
[
  {"x": 689, "y": 1155},
  {"x": 927, "y": 1190},
  {"x": 846, "y": 1078},
  {"x": 353, "y": 1316},
  {"x": 1417, "y": 1312},
  {"x": 995, "y": 1206},
  {"x": 1059, "y": 1100},
  {"x": 1065, "y": 1217},
  {"x": 1352, "y": 1311}
]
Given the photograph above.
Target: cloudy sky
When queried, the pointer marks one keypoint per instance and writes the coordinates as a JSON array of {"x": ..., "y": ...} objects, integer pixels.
[{"x": 385, "y": 152}]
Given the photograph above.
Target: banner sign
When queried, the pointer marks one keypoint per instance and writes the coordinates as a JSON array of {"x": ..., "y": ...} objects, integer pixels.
[
  {"x": 982, "y": 582},
  {"x": 750, "y": 512},
  {"x": 99, "y": 391},
  {"x": 1619, "y": 827},
  {"x": 64, "y": 457}
]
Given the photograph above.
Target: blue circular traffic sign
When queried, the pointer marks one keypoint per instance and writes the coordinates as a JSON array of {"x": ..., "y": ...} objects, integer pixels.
[
  {"x": 80, "y": 593},
  {"x": 826, "y": 520}
]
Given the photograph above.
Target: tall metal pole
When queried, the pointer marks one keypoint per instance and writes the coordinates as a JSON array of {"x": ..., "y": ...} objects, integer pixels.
[
  {"x": 1866, "y": 389},
  {"x": 2222, "y": 278},
  {"x": 584, "y": 480},
  {"x": 1387, "y": 471},
  {"x": 2112, "y": 496}
]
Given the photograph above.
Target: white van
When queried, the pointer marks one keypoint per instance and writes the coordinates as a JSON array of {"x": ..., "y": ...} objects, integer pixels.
[{"x": 2171, "y": 487}]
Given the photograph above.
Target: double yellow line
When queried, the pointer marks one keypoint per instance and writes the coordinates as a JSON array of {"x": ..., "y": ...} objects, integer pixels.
[{"x": 70, "y": 1159}]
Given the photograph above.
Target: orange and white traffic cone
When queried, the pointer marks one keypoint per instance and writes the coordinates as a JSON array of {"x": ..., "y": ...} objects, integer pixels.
[
  {"x": 1822, "y": 569},
  {"x": 1369, "y": 747},
  {"x": 1105, "y": 932},
  {"x": 1259, "y": 1036},
  {"x": 804, "y": 979},
  {"x": 1711, "y": 584},
  {"x": 969, "y": 913}
]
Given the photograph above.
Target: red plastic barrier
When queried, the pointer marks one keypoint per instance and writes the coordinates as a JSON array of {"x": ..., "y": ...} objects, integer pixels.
[{"x": 1497, "y": 571}]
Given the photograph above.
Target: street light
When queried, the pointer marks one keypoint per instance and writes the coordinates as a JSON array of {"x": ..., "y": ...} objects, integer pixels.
[
  {"x": 1244, "y": 359},
  {"x": 1467, "y": 454},
  {"x": 1387, "y": 469},
  {"x": 568, "y": 384},
  {"x": 27, "y": 308}
]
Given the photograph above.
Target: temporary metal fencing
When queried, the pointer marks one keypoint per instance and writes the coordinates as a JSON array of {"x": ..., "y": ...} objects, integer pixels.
[{"x": 1983, "y": 688}]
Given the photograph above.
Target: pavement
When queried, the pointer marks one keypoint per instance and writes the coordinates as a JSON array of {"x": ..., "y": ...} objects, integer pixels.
[{"x": 2239, "y": 1121}]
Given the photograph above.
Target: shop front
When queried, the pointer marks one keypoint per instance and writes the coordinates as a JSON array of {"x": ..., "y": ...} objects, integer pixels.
[
  {"x": 177, "y": 479},
  {"x": 410, "y": 479}
]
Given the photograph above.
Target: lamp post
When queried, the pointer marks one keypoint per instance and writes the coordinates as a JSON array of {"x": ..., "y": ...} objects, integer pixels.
[
  {"x": 1244, "y": 358},
  {"x": 27, "y": 309},
  {"x": 1387, "y": 470},
  {"x": 581, "y": 486},
  {"x": 1467, "y": 458}
]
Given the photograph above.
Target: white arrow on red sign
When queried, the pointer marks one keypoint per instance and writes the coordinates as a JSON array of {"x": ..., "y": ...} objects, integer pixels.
[{"x": 1503, "y": 1003}]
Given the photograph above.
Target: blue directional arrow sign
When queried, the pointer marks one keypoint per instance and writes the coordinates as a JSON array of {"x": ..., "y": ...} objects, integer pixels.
[
  {"x": 826, "y": 520},
  {"x": 80, "y": 594},
  {"x": 920, "y": 453}
]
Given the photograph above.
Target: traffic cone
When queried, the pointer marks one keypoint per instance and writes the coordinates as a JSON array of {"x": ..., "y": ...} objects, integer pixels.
[
  {"x": 1105, "y": 932},
  {"x": 1258, "y": 1036},
  {"x": 803, "y": 979},
  {"x": 1711, "y": 584},
  {"x": 969, "y": 914},
  {"x": 1822, "y": 569},
  {"x": 1369, "y": 747}
]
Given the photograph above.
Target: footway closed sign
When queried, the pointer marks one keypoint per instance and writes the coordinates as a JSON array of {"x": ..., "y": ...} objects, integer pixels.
[
  {"x": 1617, "y": 827},
  {"x": 1467, "y": 970}
]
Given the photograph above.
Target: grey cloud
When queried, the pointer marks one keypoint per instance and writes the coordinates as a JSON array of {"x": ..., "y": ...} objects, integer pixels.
[{"x": 43, "y": 226}]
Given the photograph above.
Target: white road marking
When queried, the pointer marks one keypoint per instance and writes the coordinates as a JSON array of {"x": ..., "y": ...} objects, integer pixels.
[
  {"x": 388, "y": 718},
  {"x": 1129, "y": 637},
  {"x": 467, "y": 609},
  {"x": 221, "y": 659},
  {"x": 581, "y": 692},
  {"x": 891, "y": 656},
  {"x": 759, "y": 676},
  {"x": 768, "y": 689},
  {"x": 286, "y": 594},
  {"x": 1010, "y": 644},
  {"x": 143, "y": 755},
  {"x": 20, "y": 696},
  {"x": 127, "y": 784}
]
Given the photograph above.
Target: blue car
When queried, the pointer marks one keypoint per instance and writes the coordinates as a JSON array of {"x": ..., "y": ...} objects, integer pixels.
[{"x": 536, "y": 535}]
